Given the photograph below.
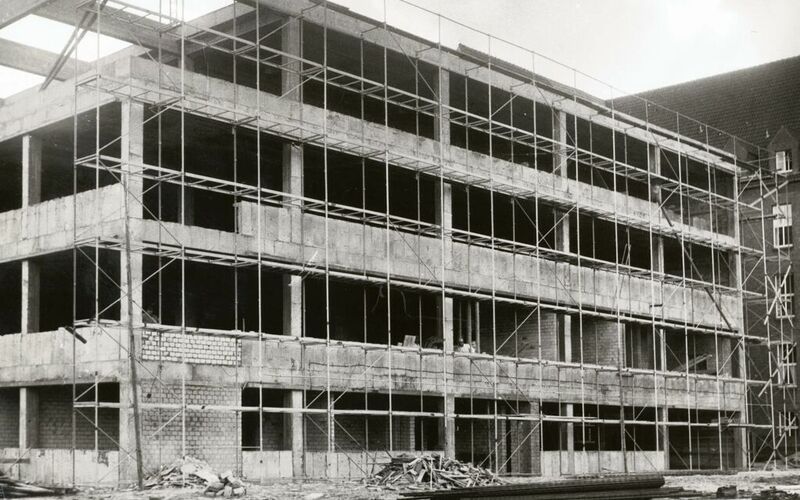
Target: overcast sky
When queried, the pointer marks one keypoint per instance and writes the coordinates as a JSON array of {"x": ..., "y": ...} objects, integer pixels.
[{"x": 632, "y": 45}]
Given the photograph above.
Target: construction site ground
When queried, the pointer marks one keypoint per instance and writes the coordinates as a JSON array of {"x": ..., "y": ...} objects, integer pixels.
[{"x": 707, "y": 484}]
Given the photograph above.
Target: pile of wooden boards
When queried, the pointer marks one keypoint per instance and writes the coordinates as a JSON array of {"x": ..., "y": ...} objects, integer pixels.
[
  {"x": 191, "y": 472},
  {"x": 431, "y": 472},
  {"x": 11, "y": 488}
]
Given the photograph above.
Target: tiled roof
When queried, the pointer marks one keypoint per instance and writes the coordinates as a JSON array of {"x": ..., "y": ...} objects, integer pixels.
[{"x": 751, "y": 103}]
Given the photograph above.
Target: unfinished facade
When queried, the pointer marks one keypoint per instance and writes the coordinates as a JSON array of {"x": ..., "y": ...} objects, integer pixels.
[{"x": 294, "y": 241}]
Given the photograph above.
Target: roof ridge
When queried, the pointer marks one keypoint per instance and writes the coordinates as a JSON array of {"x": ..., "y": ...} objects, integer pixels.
[{"x": 717, "y": 76}]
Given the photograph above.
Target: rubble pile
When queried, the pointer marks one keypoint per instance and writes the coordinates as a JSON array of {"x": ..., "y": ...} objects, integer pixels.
[
  {"x": 190, "y": 472},
  {"x": 432, "y": 472},
  {"x": 11, "y": 488}
]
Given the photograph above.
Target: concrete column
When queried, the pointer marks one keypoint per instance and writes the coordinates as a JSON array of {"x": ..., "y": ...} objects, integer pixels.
[
  {"x": 28, "y": 418},
  {"x": 665, "y": 435},
  {"x": 567, "y": 454},
  {"x": 292, "y": 183},
  {"x": 31, "y": 194},
  {"x": 31, "y": 293},
  {"x": 292, "y": 305},
  {"x": 560, "y": 137},
  {"x": 568, "y": 441},
  {"x": 31, "y": 170},
  {"x": 291, "y": 43},
  {"x": 127, "y": 436},
  {"x": 445, "y": 310},
  {"x": 445, "y": 217},
  {"x": 447, "y": 426},
  {"x": 441, "y": 127},
  {"x": 657, "y": 250},
  {"x": 132, "y": 152},
  {"x": 740, "y": 442},
  {"x": 293, "y": 431},
  {"x": 186, "y": 207}
]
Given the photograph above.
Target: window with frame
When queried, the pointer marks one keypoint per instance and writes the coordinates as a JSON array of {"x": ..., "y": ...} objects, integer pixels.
[
  {"x": 787, "y": 422},
  {"x": 787, "y": 363},
  {"x": 782, "y": 225},
  {"x": 783, "y": 161},
  {"x": 784, "y": 304}
]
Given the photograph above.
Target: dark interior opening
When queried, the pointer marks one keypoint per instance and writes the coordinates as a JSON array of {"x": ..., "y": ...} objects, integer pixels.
[
  {"x": 11, "y": 166},
  {"x": 475, "y": 437},
  {"x": 211, "y": 149},
  {"x": 56, "y": 286},
  {"x": 60, "y": 177},
  {"x": 354, "y": 308},
  {"x": 213, "y": 293},
  {"x": 371, "y": 432},
  {"x": 600, "y": 170},
  {"x": 361, "y": 183},
  {"x": 217, "y": 63},
  {"x": 346, "y": 53},
  {"x": 273, "y": 428},
  {"x": 515, "y": 219},
  {"x": 700, "y": 447},
  {"x": 11, "y": 297},
  {"x": 472, "y": 97}
]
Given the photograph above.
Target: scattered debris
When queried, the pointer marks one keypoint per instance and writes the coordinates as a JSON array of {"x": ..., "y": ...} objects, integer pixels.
[
  {"x": 727, "y": 492},
  {"x": 774, "y": 494},
  {"x": 11, "y": 488},
  {"x": 191, "y": 472},
  {"x": 431, "y": 472}
]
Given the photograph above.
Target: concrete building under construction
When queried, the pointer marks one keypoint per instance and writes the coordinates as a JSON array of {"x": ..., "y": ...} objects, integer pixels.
[{"x": 293, "y": 241}]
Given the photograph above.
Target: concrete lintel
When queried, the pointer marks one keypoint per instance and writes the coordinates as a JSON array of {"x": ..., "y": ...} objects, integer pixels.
[
  {"x": 14, "y": 10},
  {"x": 116, "y": 24},
  {"x": 34, "y": 60}
]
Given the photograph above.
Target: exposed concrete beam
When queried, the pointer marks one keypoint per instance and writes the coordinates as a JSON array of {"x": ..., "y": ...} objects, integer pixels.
[
  {"x": 116, "y": 24},
  {"x": 14, "y": 10},
  {"x": 37, "y": 61}
]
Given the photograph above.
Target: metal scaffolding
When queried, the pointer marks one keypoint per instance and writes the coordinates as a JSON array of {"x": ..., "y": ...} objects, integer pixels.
[{"x": 701, "y": 199}]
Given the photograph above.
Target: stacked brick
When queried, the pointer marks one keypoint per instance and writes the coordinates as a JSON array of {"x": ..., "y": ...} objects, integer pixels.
[
  {"x": 191, "y": 348},
  {"x": 211, "y": 434},
  {"x": 55, "y": 422}
]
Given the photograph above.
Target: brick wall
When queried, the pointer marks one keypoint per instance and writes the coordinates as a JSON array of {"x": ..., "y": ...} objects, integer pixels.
[
  {"x": 272, "y": 431},
  {"x": 600, "y": 342},
  {"x": 521, "y": 446},
  {"x": 528, "y": 328},
  {"x": 211, "y": 435},
  {"x": 9, "y": 418},
  {"x": 200, "y": 349},
  {"x": 639, "y": 346},
  {"x": 55, "y": 422}
]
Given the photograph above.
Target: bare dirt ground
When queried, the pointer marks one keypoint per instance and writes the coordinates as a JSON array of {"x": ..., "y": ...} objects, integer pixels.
[
  {"x": 748, "y": 484},
  {"x": 279, "y": 490},
  {"x": 754, "y": 482}
]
